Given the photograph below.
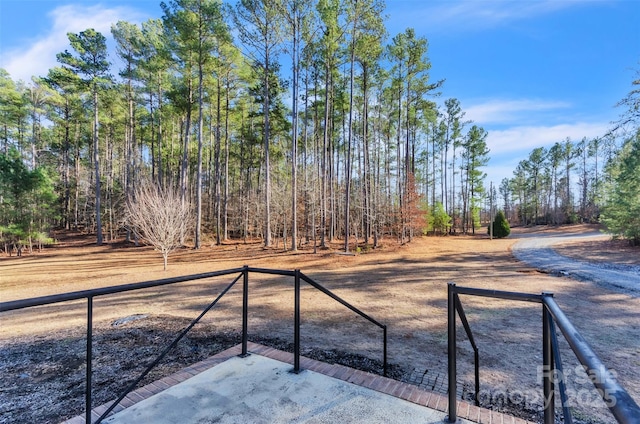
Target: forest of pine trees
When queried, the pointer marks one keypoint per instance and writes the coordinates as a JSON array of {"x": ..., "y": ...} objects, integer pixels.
[{"x": 311, "y": 125}]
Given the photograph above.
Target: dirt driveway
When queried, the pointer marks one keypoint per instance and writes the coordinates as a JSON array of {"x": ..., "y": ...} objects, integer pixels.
[
  {"x": 538, "y": 251},
  {"x": 403, "y": 287}
]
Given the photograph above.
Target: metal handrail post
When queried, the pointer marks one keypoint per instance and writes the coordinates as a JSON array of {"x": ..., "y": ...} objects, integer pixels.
[
  {"x": 296, "y": 324},
  {"x": 89, "y": 354},
  {"x": 245, "y": 310},
  {"x": 451, "y": 352},
  {"x": 557, "y": 360},
  {"x": 384, "y": 347},
  {"x": 476, "y": 354},
  {"x": 476, "y": 369},
  {"x": 617, "y": 399},
  {"x": 547, "y": 366}
]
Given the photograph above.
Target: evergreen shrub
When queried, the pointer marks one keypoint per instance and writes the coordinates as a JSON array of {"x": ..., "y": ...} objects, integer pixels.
[{"x": 501, "y": 227}]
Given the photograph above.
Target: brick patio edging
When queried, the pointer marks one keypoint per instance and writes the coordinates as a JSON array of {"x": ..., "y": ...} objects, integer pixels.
[{"x": 406, "y": 391}]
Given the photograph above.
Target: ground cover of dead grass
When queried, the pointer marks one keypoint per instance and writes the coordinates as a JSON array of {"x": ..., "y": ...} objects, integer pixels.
[
  {"x": 402, "y": 286},
  {"x": 602, "y": 250}
]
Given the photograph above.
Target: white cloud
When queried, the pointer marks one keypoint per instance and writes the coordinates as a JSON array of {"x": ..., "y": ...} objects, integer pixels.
[
  {"x": 496, "y": 173},
  {"x": 507, "y": 111},
  {"x": 36, "y": 59},
  {"x": 469, "y": 15},
  {"x": 509, "y": 146},
  {"x": 494, "y": 12},
  {"x": 526, "y": 138}
]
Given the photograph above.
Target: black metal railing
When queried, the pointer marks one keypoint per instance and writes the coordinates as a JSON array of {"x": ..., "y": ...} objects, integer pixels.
[
  {"x": 619, "y": 402},
  {"x": 299, "y": 276},
  {"x": 243, "y": 272}
]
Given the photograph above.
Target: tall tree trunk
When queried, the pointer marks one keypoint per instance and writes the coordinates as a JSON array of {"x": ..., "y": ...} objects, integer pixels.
[
  {"x": 185, "y": 152},
  {"x": 218, "y": 174},
  {"x": 324, "y": 170},
  {"x": 366, "y": 174},
  {"x": 267, "y": 171},
  {"x": 109, "y": 188},
  {"x": 225, "y": 202},
  {"x": 406, "y": 225},
  {"x": 76, "y": 175},
  {"x": 400, "y": 168},
  {"x": 433, "y": 166},
  {"x": 160, "y": 134},
  {"x": 294, "y": 138},
  {"x": 333, "y": 168},
  {"x": 152, "y": 124},
  {"x": 96, "y": 163},
  {"x": 199, "y": 167},
  {"x": 305, "y": 153},
  {"x": 347, "y": 169},
  {"x": 453, "y": 186},
  {"x": 66, "y": 163},
  {"x": 130, "y": 146}
]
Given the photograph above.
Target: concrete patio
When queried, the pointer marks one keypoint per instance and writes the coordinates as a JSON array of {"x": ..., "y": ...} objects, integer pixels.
[{"x": 261, "y": 388}]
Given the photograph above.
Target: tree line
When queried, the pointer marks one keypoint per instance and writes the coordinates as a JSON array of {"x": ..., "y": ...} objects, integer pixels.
[
  {"x": 561, "y": 184},
  {"x": 591, "y": 180},
  {"x": 311, "y": 125}
]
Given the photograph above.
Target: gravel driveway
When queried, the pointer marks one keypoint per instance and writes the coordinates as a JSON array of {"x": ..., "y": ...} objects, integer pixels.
[{"x": 537, "y": 251}]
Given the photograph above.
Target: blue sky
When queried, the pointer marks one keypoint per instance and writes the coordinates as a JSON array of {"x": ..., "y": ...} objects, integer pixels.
[{"x": 531, "y": 72}]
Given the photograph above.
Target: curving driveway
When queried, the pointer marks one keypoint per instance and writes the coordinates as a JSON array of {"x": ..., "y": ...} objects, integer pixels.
[{"x": 536, "y": 250}]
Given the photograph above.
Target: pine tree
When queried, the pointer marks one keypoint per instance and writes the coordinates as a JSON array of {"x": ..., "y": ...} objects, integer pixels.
[
  {"x": 259, "y": 26},
  {"x": 500, "y": 225},
  {"x": 91, "y": 61},
  {"x": 621, "y": 213}
]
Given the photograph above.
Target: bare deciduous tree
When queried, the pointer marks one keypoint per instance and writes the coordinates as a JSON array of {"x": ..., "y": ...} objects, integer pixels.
[{"x": 159, "y": 216}]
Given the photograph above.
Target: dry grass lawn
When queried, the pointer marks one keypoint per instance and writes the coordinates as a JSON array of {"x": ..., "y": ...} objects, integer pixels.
[{"x": 404, "y": 287}]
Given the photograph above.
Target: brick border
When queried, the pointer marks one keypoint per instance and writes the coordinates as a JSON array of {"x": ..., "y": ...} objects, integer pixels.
[{"x": 398, "y": 389}]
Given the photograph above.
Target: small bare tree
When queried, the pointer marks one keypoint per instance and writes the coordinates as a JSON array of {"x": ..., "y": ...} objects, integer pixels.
[{"x": 159, "y": 216}]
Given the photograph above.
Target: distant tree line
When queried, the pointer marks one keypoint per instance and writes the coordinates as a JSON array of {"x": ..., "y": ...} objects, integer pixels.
[
  {"x": 591, "y": 180},
  {"x": 350, "y": 144},
  {"x": 559, "y": 185}
]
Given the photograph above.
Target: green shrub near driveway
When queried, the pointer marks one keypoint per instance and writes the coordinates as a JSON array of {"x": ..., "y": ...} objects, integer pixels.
[{"x": 501, "y": 227}]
